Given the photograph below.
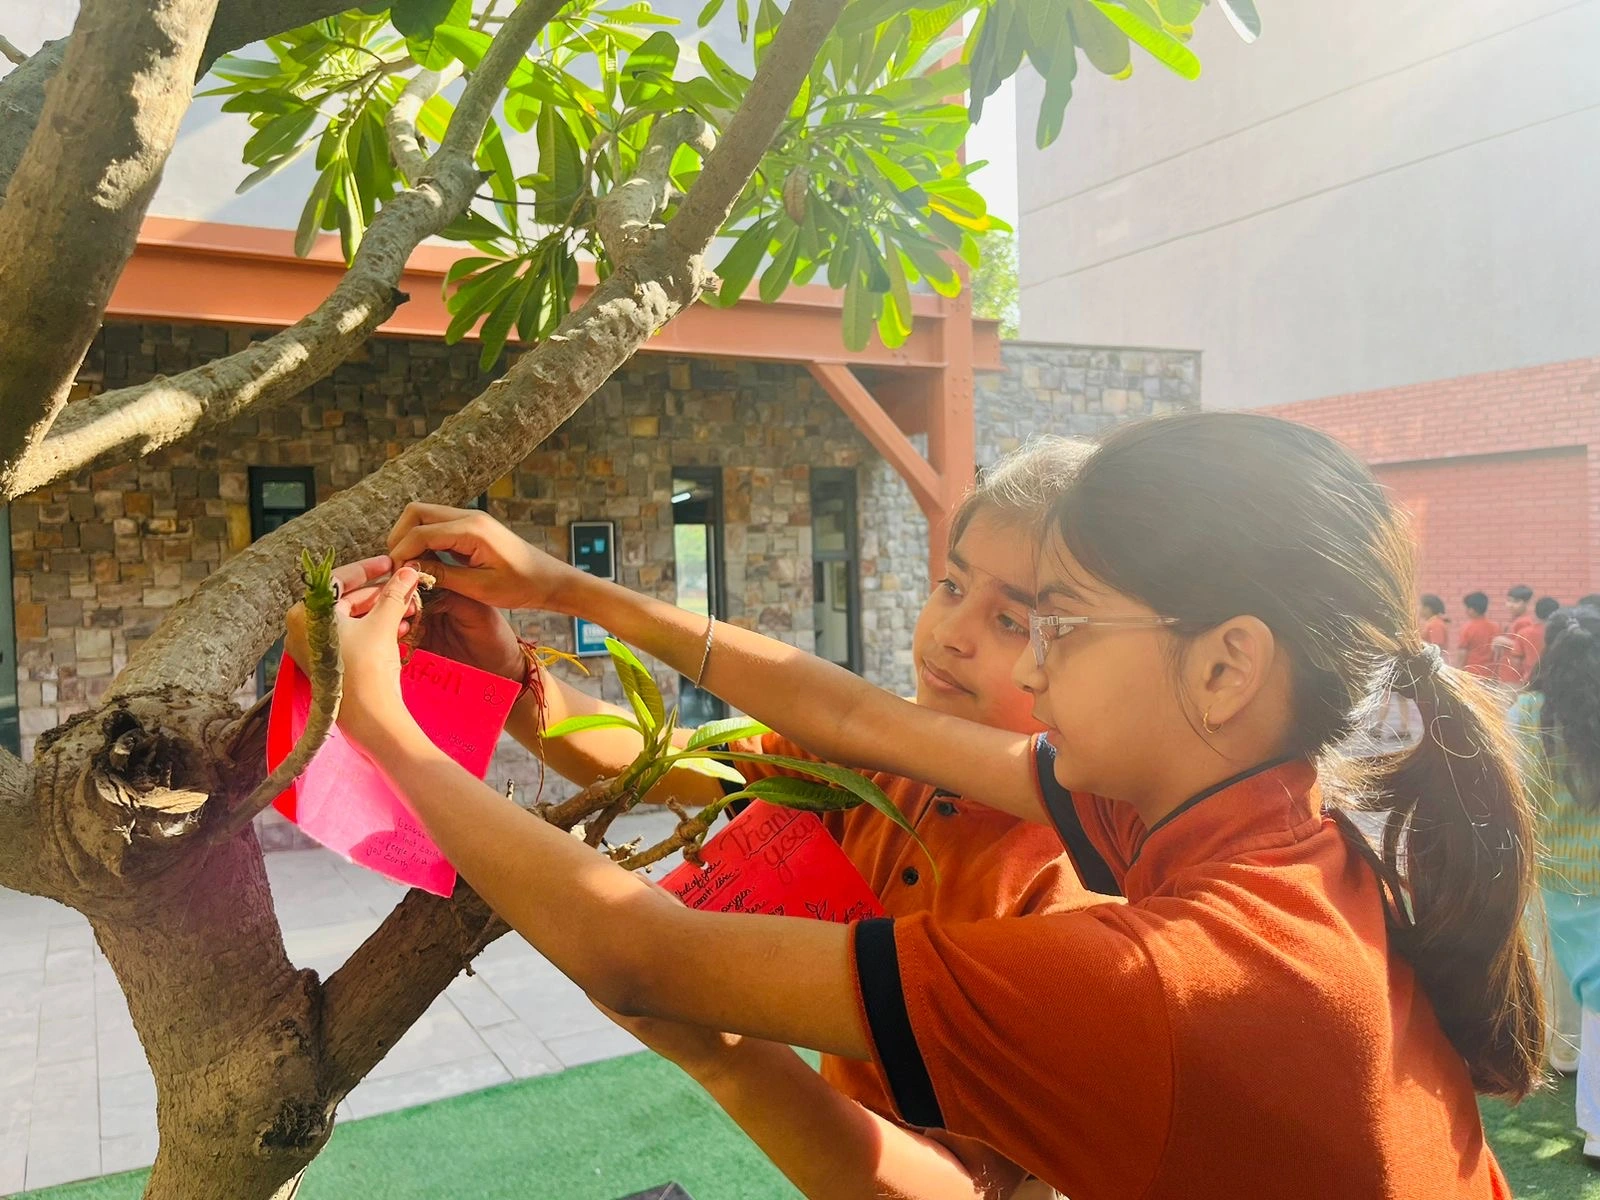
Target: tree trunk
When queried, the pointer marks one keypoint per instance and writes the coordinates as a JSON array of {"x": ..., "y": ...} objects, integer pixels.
[{"x": 231, "y": 1029}]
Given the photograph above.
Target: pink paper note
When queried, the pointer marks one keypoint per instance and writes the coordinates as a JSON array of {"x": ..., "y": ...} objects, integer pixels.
[{"x": 343, "y": 800}]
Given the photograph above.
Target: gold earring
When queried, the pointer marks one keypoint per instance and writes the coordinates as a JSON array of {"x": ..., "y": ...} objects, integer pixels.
[{"x": 1210, "y": 728}]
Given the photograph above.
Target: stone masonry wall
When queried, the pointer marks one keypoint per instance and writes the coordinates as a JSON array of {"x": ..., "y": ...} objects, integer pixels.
[
  {"x": 100, "y": 560},
  {"x": 1078, "y": 391}
]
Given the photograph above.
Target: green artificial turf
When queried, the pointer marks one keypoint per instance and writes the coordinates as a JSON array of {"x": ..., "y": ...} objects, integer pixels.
[
  {"x": 1538, "y": 1145},
  {"x": 591, "y": 1133},
  {"x": 607, "y": 1130}
]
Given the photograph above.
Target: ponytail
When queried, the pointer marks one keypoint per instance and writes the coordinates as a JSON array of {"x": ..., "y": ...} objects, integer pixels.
[
  {"x": 1460, "y": 837},
  {"x": 1313, "y": 546}
]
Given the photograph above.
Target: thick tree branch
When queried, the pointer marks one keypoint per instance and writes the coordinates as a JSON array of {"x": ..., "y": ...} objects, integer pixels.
[
  {"x": 805, "y": 27},
  {"x": 19, "y": 825},
  {"x": 131, "y": 422},
  {"x": 9, "y": 51},
  {"x": 237, "y": 24},
  {"x": 80, "y": 193},
  {"x": 401, "y": 124},
  {"x": 626, "y": 214},
  {"x": 215, "y": 637},
  {"x": 21, "y": 102},
  {"x": 240, "y": 22},
  {"x": 392, "y": 977}
]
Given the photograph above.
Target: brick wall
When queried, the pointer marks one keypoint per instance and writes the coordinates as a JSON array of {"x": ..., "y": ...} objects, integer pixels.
[{"x": 1501, "y": 472}]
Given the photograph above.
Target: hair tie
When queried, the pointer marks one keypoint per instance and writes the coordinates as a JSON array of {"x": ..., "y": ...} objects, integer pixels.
[{"x": 1416, "y": 668}]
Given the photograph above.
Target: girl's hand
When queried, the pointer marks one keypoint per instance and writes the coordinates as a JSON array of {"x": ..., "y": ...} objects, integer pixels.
[
  {"x": 469, "y": 631},
  {"x": 498, "y": 568},
  {"x": 370, "y": 623}
]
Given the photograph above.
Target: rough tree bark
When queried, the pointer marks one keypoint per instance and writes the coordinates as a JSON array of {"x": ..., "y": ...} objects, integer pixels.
[
  {"x": 78, "y": 195},
  {"x": 126, "y": 811}
]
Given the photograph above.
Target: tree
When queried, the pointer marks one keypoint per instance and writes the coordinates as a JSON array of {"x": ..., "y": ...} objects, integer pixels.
[
  {"x": 994, "y": 282},
  {"x": 837, "y": 157}
]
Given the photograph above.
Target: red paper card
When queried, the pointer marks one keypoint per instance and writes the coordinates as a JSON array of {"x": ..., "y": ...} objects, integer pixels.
[
  {"x": 345, "y": 802},
  {"x": 779, "y": 862}
]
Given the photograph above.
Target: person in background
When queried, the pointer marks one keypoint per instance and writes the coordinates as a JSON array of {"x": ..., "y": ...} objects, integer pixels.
[
  {"x": 1517, "y": 649},
  {"x": 1475, "y": 645},
  {"x": 1435, "y": 627},
  {"x": 1557, "y": 721}
]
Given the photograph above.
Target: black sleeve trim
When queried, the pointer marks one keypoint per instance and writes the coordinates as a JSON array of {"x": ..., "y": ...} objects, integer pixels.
[
  {"x": 1093, "y": 870},
  {"x": 878, "y": 969}
]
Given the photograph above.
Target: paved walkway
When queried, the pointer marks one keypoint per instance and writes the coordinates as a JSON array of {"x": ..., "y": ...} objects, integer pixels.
[{"x": 77, "y": 1100}]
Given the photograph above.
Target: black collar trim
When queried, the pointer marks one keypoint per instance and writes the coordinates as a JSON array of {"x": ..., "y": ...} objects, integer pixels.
[{"x": 1211, "y": 791}]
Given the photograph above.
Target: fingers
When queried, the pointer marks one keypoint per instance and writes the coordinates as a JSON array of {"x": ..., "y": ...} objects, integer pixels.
[
  {"x": 461, "y": 537},
  {"x": 357, "y": 574},
  {"x": 417, "y": 514},
  {"x": 394, "y": 599}
]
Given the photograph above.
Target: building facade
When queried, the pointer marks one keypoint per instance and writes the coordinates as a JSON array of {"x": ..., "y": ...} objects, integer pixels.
[
  {"x": 735, "y": 484},
  {"x": 1376, "y": 219}
]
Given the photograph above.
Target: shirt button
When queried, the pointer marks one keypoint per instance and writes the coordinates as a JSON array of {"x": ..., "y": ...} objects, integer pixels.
[
  {"x": 909, "y": 876},
  {"x": 946, "y": 808}
]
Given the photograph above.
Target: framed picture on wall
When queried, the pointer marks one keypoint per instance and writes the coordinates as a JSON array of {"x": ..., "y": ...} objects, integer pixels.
[{"x": 839, "y": 586}]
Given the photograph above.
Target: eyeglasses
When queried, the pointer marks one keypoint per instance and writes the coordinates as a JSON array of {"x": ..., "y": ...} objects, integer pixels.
[{"x": 1043, "y": 630}]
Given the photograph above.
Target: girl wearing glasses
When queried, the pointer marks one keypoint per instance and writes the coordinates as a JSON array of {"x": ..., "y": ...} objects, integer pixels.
[{"x": 1279, "y": 1008}]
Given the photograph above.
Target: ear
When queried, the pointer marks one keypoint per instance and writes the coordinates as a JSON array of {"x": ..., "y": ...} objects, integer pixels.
[{"x": 1228, "y": 666}]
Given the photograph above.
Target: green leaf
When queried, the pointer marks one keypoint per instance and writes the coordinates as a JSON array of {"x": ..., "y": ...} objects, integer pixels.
[
  {"x": 852, "y": 782},
  {"x": 738, "y": 266},
  {"x": 1243, "y": 17},
  {"x": 467, "y": 45},
  {"x": 280, "y": 135},
  {"x": 417, "y": 21},
  {"x": 940, "y": 274},
  {"x": 729, "y": 729},
  {"x": 589, "y": 721},
  {"x": 860, "y": 303},
  {"x": 708, "y": 13},
  {"x": 708, "y": 766},
  {"x": 561, "y": 165},
  {"x": 894, "y": 322},
  {"x": 729, "y": 80},
  {"x": 777, "y": 275},
  {"x": 1158, "y": 43},
  {"x": 860, "y": 16},
  {"x": 1102, "y": 43},
  {"x": 305, "y": 234},
  {"x": 654, "y": 60},
  {"x": 272, "y": 168},
  {"x": 767, "y": 19},
  {"x": 805, "y": 795},
  {"x": 636, "y": 680}
]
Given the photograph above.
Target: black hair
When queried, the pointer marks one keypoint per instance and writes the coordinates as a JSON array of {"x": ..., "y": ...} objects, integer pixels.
[
  {"x": 1433, "y": 604},
  {"x": 1568, "y": 677},
  {"x": 1521, "y": 592},
  {"x": 1545, "y": 606},
  {"x": 1476, "y": 603},
  {"x": 1314, "y": 548}
]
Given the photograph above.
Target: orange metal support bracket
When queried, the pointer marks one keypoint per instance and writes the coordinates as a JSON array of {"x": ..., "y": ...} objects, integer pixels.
[{"x": 841, "y": 383}]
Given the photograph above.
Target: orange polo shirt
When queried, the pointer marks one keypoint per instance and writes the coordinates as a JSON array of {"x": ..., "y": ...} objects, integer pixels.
[
  {"x": 1436, "y": 632},
  {"x": 1527, "y": 633},
  {"x": 1237, "y": 1029},
  {"x": 991, "y": 864},
  {"x": 1477, "y": 639}
]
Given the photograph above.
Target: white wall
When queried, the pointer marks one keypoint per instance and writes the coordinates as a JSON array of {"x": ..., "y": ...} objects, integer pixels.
[{"x": 1377, "y": 192}]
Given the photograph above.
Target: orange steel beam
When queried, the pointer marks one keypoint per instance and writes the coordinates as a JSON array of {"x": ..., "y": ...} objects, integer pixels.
[
  {"x": 211, "y": 273},
  {"x": 840, "y": 382},
  {"x": 244, "y": 275}
]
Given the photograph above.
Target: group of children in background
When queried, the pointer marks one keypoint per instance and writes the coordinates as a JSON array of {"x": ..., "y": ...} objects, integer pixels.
[{"x": 1151, "y": 653}]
